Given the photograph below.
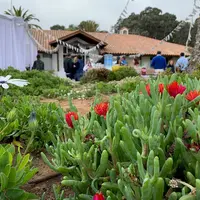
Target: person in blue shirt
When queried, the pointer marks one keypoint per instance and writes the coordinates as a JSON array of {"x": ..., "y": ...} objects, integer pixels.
[
  {"x": 79, "y": 65},
  {"x": 124, "y": 62},
  {"x": 159, "y": 62},
  {"x": 182, "y": 63}
]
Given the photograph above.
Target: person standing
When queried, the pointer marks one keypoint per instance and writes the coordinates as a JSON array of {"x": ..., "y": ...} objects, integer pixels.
[
  {"x": 159, "y": 62},
  {"x": 79, "y": 65},
  {"x": 124, "y": 62},
  {"x": 182, "y": 63},
  {"x": 38, "y": 64},
  {"x": 171, "y": 66},
  {"x": 68, "y": 66},
  {"x": 118, "y": 60}
]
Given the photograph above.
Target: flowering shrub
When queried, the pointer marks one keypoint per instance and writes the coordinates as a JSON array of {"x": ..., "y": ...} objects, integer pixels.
[
  {"x": 146, "y": 148},
  {"x": 41, "y": 83}
]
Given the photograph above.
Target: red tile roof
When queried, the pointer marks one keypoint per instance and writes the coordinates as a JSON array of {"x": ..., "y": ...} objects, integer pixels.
[{"x": 116, "y": 43}]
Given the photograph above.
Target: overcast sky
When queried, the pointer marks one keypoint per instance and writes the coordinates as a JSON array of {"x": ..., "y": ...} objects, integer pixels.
[{"x": 105, "y": 12}]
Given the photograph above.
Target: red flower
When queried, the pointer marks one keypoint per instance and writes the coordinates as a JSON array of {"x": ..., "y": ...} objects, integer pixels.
[
  {"x": 148, "y": 89},
  {"x": 174, "y": 89},
  {"x": 102, "y": 109},
  {"x": 192, "y": 95},
  {"x": 68, "y": 118},
  {"x": 160, "y": 88},
  {"x": 98, "y": 196}
]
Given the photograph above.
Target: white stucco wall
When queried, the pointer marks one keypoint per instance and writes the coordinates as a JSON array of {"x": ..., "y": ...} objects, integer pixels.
[
  {"x": 54, "y": 61},
  {"x": 145, "y": 62},
  {"x": 47, "y": 59}
]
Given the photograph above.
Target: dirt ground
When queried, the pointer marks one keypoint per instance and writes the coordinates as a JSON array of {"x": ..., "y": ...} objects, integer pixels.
[
  {"x": 45, "y": 186},
  {"x": 83, "y": 107}
]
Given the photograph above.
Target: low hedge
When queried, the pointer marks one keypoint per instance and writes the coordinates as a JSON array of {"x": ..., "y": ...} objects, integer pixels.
[{"x": 105, "y": 75}]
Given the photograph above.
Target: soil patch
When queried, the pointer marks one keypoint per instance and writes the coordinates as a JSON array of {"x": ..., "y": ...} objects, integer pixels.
[
  {"x": 82, "y": 105},
  {"x": 46, "y": 185}
]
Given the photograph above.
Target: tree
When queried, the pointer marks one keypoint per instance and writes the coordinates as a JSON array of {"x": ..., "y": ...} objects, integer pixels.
[
  {"x": 195, "y": 57},
  {"x": 25, "y": 15},
  {"x": 89, "y": 26},
  {"x": 57, "y": 27},
  {"x": 72, "y": 27},
  {"x": 152, "y": 22}
]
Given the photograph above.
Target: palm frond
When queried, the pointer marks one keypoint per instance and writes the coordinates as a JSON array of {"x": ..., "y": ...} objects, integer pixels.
[{"x": 34, "y": 26}]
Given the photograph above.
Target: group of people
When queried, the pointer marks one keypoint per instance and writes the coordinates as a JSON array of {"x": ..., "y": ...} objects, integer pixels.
[
  {"x": 159, "y": 63},
  {"x": 73, "y": 67},
  {"x": 122, "y": 61}
]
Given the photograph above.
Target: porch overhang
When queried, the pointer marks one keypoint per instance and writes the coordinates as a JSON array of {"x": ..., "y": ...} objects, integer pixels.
[{"x": 80, "y": 34}]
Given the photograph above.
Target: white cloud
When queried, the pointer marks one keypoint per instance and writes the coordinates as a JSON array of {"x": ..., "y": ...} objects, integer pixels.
[{"x": 105, "y": 12}]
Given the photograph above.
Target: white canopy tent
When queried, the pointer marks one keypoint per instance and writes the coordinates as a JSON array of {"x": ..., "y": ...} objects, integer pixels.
[{"x": 17, "y": 49}]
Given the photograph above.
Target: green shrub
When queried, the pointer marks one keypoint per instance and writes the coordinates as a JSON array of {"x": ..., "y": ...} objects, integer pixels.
[
  {"x": 95, "y": 75},
  {"x": 106, "y": 88},
  {"x": 129, "y": 84},
  {"x": 124, "y": 72},
  {"x": 15, "y": 117},
  {"x": 15, "y": 171},
  {"x": 105, "y": 75},
  {"x": 40, "y": 83}
]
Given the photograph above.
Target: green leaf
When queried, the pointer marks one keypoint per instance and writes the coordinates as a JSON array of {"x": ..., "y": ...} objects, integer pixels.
[
  {"x": 4, "y": 181},
  {"x": 29, "y": 175},
  {"x": 12, "y": 178},
  {"x": 24, "y": 162},
  {"x": 5, "y": 159}
]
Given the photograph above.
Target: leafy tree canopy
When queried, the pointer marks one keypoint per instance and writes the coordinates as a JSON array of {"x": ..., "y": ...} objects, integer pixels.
[{"x": 152, "y": 22}]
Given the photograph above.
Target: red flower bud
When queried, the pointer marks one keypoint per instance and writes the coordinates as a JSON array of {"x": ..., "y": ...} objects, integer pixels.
[
  {"x": 102, "y": 109},
  {"x": 174, "y": 89},
  {"x": 68, "y": 118},
  {"x": 98, "y": 196},
  {"x": 160, "y": 88},
  {"x": 148, "y": 89}
]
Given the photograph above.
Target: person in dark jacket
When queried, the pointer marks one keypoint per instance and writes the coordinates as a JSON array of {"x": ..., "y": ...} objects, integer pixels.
[
  {"x": 159, "y": 62},
  {"x": 79, "y": 65},
  {"x": 68, "y": 66},
  {"x": 38, "y": 64},
  {"x": 171, "y": 66}
]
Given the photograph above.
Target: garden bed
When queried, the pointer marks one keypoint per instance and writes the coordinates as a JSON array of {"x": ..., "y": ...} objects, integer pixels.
[{"x": 42, "y": 182}]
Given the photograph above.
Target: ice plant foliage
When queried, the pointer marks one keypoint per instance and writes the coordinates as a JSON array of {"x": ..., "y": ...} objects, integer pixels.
[
  {"x": 101, "y": 109},
  {"x": 192, "y": 95},
  {"x": 174, "y": 89},
  {"x": 68, "y": 118},
  {"x": 98, "y": 196},
  {"x": 160, "y": 88},
  {"x": 6, "y": 80}
]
